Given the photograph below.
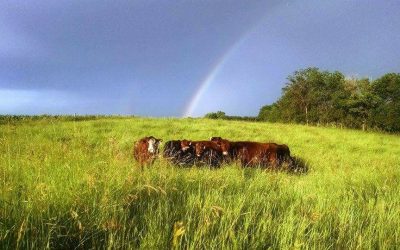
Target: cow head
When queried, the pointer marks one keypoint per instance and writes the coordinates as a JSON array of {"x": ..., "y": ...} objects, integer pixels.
[
  {"x": 152, "y": 144},
  {"x": 216, "y": 139},
  {"x": 185, "y": 145},
  {"x": 224, "y": 144},
  {"x": 199, "y": 148}
]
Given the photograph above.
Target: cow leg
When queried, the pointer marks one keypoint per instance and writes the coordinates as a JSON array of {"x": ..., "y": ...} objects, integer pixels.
[
  {"x": 141, "y": 164},
  {"x": 243, "y": 155},
  {"x": 243, "y": 160}
]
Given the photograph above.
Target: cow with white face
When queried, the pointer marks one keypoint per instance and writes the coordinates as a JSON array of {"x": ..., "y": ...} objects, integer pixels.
[
  {"x": 146, "y": 150},
  {"x": 153, "y": 144}
]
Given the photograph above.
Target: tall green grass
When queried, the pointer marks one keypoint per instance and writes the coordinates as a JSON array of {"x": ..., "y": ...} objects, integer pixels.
[{"x": 74, "y": 184}]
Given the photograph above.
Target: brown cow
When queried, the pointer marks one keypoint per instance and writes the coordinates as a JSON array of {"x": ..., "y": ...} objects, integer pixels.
[
  {"x": 254, "y": 153},
  {"x": 201, "y": 146},
  {"x": 207, "y": 152},
  {"x": 186, "y": 144},
  {"x": 146, "y": 150}
]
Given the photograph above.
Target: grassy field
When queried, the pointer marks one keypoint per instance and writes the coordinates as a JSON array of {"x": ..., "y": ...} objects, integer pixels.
[{"x": 74, "y": 184}]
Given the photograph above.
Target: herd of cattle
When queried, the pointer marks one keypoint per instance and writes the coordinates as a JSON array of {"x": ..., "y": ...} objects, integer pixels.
[{"x": 213, "y": 152}]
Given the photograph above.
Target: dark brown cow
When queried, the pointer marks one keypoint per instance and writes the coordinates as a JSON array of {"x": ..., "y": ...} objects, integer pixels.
[
  {"x": 173, "y": 152},
  {"x": 254, "y": 153},
  {"x": 146, "y": 150}
]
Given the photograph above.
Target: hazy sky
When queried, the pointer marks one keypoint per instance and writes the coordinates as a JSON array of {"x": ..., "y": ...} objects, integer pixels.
[{"x": 187, "y": 57}]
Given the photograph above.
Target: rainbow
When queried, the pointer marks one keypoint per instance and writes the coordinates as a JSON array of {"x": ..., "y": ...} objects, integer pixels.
[{"x": 206, "y": 82}]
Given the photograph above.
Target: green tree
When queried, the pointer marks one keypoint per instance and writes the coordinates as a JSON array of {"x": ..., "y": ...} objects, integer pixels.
[
  {"x": 216, "y": 115},
  {"x": 313, "y": 96},
  {"x": 329, "y": 97},
  {"x": 297, "y": 96},
  {"x": 360, "y": 103},
  {"x": 387, "y": 113},
  {"x": 269, "y": 113}
]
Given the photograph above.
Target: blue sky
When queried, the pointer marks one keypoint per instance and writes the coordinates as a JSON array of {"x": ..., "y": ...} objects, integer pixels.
[{"x": 186, "y": 57}]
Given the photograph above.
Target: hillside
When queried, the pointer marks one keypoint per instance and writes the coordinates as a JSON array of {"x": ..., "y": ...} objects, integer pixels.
[{"x": 67, "y": 184}]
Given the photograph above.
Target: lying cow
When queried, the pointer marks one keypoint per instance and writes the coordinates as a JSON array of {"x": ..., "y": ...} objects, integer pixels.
[
  {"x": 207, "y": 152},
  {"x": 254, "y": 153},
  {"x": 230, "y": 149},
  {"x": 174, "y": 153},
  {"x": 146, "y": 150}
]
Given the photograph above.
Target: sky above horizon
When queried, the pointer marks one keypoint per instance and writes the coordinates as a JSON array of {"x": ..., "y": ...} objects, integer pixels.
[{"x": 182, "y": 58}]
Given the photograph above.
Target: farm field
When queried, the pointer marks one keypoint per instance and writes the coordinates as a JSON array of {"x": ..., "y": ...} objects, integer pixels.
[{"x": 74, "y": 184}]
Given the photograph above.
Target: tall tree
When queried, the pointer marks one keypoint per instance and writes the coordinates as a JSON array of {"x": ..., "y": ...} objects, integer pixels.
[
  {"x": 314, "y": 96},
  {"x": 269, "y": 113},
  {"x": 387, "y": 113},
  {"x": 360, "y": 103},
  {"x": 297, "y": 95}
]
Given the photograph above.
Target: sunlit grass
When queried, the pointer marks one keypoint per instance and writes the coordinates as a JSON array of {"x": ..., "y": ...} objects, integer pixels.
[{"x": 67, "y": 184}]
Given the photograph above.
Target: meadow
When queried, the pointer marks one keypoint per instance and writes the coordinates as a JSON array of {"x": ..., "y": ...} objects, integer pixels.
[{"x": 69, "y": 184}]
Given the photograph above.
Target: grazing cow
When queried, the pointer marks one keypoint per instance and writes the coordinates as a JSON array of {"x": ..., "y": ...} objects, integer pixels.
[
  {"x": 174, "y": 153},
  {"x": 146, "y": 150},
  {"x": 207, "y": 152},
  {"x": 254, "y": 153}
]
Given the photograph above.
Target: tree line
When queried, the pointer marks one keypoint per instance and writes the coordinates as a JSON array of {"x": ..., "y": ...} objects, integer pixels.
[
  {"x": 222, "y": 115},
  {"x": 312, "y": 96}
]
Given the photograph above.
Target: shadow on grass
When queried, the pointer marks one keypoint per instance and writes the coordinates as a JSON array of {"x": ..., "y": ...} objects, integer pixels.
[{"x": 298, "y": 166}]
